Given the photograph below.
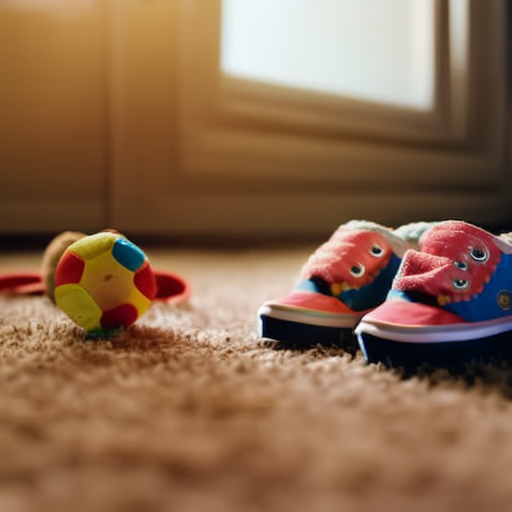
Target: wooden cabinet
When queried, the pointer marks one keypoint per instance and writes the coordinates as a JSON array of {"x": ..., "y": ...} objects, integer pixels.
[{"x": 54, "y": 104}]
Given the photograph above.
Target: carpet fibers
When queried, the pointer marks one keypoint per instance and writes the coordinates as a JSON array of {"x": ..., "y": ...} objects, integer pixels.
[{"x": 189, "y": 411}]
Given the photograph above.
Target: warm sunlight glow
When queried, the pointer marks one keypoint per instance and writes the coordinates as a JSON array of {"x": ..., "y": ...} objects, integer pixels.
[
  {"x": 58, "y": 7},
  {"x": 41, "y": 4},
  {"x": 375, "y": 50}
]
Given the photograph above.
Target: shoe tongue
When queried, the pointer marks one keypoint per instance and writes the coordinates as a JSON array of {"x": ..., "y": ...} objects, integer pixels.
[
  {"x": 419, "y": 263},
  {"x": 350, "y": 256},
  {"x": 455, "y": 260},
  {"x": 425, "y": 273}
]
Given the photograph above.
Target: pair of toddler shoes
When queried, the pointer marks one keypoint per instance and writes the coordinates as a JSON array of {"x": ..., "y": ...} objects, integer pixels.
[{"x": 435, "y": 293}]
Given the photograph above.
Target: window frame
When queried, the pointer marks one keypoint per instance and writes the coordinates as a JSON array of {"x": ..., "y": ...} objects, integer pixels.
[
  {"x": 229, "y": 123},
  {"x": 217, "y": 162}
]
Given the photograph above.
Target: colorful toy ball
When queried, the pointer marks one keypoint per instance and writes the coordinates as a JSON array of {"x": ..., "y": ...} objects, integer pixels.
[{"x": 104, "y": 282}]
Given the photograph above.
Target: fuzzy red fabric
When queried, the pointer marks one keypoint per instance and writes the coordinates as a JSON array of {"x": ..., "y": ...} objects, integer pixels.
[
  {"x": 455, "y": 260},
  {"x": 347, "y": 258}
]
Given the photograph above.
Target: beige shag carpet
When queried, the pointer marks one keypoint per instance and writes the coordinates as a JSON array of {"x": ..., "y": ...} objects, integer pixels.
[{"x": 189, "y": 411}]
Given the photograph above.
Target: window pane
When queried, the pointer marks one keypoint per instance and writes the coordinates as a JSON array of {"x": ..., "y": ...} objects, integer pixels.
[{"x": 376, "y": 50}]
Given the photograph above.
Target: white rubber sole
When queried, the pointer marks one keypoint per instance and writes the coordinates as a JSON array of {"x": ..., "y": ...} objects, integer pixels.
[
  {"x": 308, "y": 317},
  {"x": 434, "y": 334}
]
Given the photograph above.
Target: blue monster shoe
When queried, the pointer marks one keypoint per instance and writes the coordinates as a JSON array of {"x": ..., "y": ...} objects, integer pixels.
[
  {"x": 343, "y": 279},
  {"x": 450, "y": 303}
]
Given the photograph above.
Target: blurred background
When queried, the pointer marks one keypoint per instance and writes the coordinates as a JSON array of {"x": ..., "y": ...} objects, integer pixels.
[{"x": 254, "y": 119}]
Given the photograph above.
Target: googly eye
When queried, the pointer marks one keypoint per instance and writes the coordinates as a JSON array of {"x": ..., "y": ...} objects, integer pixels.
[
  {"x": 377, "y": 251},
  {"x": 479, "y": 254},
  {"x": 461, "y": 265},
  {"x": 357, "y": 270},
  {"x": 460, "y": 284}
]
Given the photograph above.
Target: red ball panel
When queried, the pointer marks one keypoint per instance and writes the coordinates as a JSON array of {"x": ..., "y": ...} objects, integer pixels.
[
  {"x": 120, "y": 316},
  {"x": 145, "y": 282},
  {"x": 69, "y": 270}
]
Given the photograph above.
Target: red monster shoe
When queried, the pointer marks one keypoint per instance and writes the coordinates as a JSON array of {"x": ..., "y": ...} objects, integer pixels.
[
  {"x": 343, "y": 279},
  {"x": 450, "y": 302}
]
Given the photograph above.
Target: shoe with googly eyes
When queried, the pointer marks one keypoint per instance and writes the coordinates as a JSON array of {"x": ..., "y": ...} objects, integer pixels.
[
  {"x": 346, "y": 277},
  {"x": 450, "y": 302}
]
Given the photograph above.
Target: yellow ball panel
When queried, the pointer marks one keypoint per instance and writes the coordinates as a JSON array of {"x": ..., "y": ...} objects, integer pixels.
[
  {"x": 78, "y": 305},
  {"x": 139, "y": 301},
  {"x": 107, "y": 282},
  {"x": 93, "y": 246}
]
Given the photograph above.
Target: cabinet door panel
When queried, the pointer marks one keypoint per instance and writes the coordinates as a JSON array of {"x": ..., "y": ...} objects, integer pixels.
[{"x": 53, "y": 104}]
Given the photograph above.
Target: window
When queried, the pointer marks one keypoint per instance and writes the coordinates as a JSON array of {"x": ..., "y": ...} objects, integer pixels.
[
  {"x": 372, "y": 50},
  {"x": 219, "y": 142}
]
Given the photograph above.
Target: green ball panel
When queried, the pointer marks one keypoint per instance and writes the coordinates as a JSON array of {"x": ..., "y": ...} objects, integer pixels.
[
  {"x": 92, "y": 246},
  {"x": 79, "y": 306}
]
